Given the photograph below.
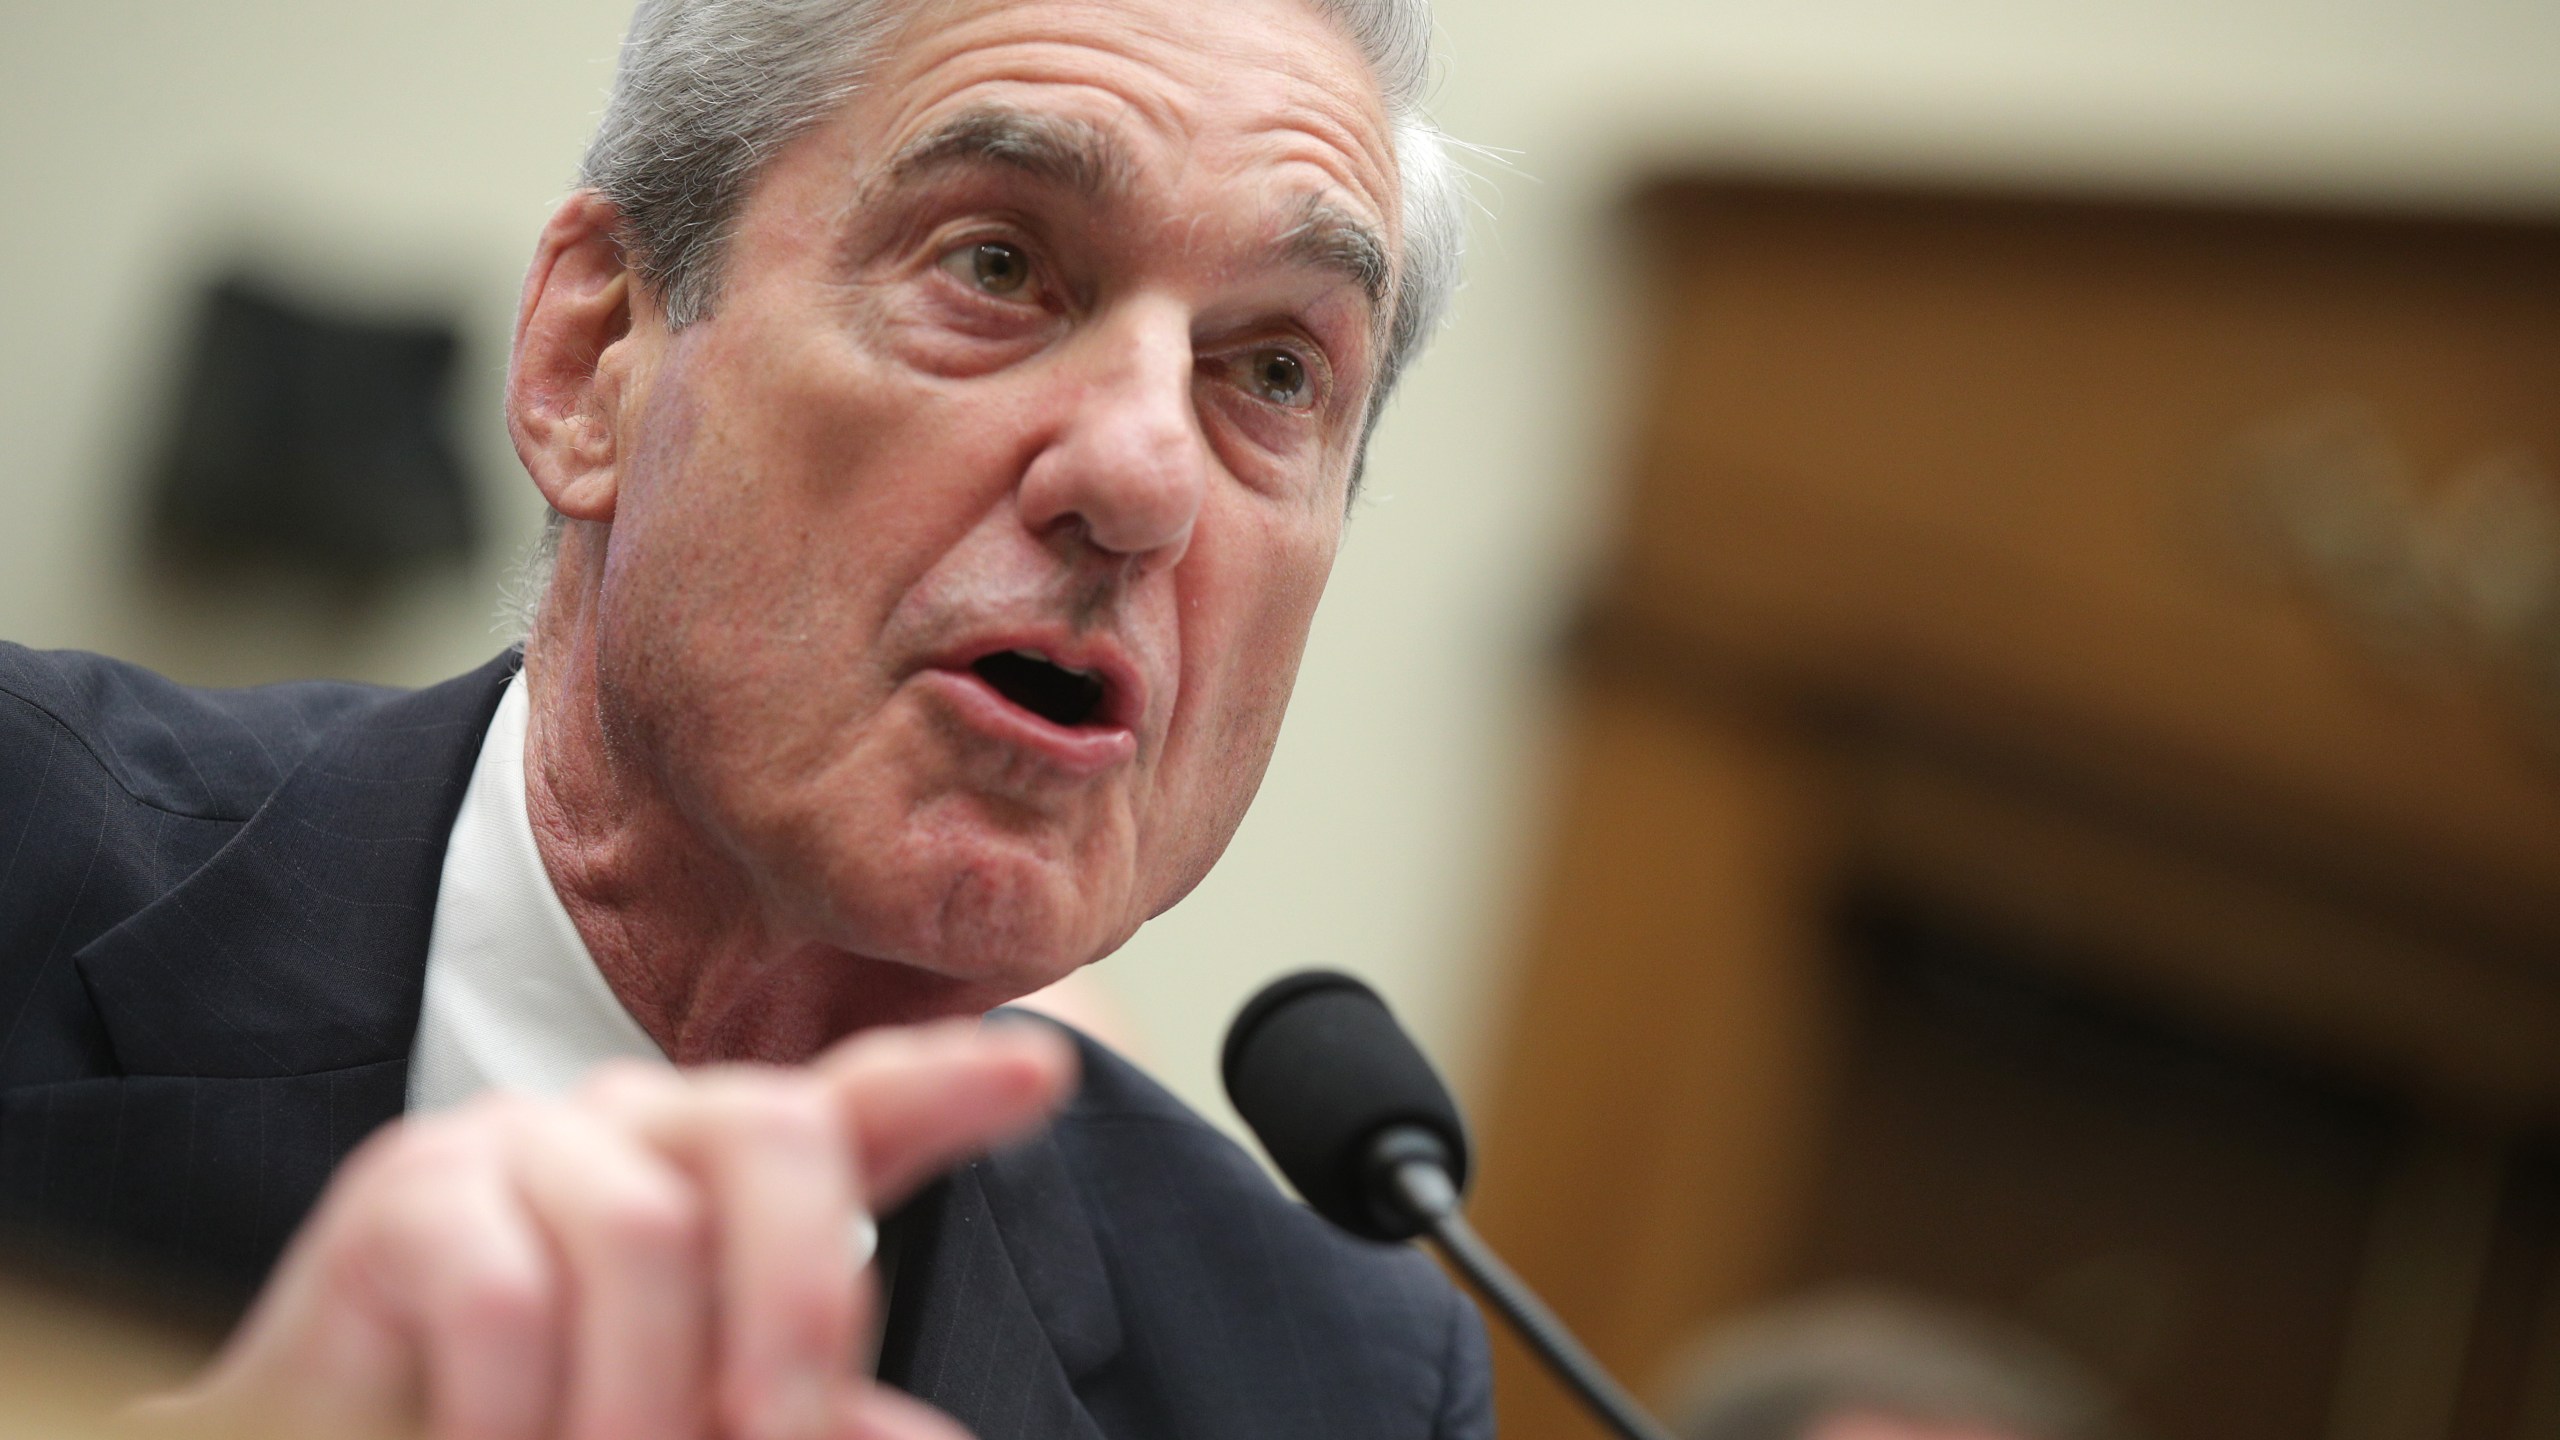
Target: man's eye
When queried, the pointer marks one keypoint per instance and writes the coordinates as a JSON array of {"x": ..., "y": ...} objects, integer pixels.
[
  {"x": 1277, "y": 376},
  {"x": 991, "y": 266}
]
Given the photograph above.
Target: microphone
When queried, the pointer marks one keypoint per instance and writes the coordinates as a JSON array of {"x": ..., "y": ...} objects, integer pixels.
[{"x": 1354, "y": 1115}]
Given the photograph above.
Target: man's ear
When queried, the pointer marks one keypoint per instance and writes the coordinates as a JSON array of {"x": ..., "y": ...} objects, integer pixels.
[{"x": 565, "y": 379}]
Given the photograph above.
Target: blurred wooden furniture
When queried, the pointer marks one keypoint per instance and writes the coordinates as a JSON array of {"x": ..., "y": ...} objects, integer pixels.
[{"x": 2062, "y": 806}]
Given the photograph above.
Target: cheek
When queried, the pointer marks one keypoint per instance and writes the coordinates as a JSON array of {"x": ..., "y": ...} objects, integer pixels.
[
  {"x": 730, "y": 586},
  {"x": 702, "y": 547},
  {"x": 1245, "y": 629},
  {"x": 1271, "y": 582},
  {"x": 779, "y": 481}
]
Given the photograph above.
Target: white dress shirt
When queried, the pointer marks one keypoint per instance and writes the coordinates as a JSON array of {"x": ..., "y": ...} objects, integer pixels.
[{"x": 514, "y": 1002}]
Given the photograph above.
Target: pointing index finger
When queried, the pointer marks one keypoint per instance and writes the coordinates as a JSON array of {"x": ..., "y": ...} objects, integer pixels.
[{"x": 922, "y": 1100}]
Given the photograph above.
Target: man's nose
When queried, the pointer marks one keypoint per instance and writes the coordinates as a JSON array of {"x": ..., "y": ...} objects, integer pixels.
[{"x": 1128, "y": 462}]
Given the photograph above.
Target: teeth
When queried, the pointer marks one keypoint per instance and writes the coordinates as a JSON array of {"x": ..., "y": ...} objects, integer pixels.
[{"x": 1043, "y": 657}]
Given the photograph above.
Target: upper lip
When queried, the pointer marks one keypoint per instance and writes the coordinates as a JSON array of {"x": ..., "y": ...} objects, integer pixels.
[{"x": 1124, "y": 693}]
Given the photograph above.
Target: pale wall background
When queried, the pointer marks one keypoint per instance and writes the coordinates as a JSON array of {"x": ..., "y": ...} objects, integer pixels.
[{"x": 406, "y": 153}]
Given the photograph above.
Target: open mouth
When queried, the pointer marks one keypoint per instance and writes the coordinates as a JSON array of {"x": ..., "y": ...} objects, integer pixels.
[{"x": 1054, "y": 692}]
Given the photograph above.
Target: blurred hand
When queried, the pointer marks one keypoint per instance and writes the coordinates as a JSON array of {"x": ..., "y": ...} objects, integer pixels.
[{"x": 664, "y": 1256}]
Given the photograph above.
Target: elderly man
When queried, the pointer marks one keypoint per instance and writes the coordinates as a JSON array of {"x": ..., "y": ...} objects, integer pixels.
[{"x": 950, "y": 411}]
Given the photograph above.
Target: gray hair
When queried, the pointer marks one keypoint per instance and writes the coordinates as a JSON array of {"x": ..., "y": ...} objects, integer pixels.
[{"x": 709, "y": 91}]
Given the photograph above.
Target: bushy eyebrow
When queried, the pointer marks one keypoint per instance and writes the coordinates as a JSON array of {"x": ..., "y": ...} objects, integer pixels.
[
  {"x": 1054, "y": 148},
  {"x": 1331, "y": 238},
  {"x": 1087, "y": 160}
]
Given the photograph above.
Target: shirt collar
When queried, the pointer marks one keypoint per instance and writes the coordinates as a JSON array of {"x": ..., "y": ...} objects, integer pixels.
[{"x": 513, "y": 1000}]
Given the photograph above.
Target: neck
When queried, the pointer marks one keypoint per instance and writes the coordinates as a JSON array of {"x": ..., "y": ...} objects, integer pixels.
[{"x": 678, "y": 927}]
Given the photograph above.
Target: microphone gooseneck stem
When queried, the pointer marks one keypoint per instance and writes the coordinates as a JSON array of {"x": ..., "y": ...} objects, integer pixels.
[{"x": 1426, "y": 1190}]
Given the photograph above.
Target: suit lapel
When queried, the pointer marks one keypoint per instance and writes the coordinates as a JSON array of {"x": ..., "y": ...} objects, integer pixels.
[
  {"x": 1002, "y": 1306},
  {"x": 262, "y": 1010}
]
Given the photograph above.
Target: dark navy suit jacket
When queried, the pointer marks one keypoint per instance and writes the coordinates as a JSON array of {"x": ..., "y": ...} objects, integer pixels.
[{"x": 214, "y": 909}]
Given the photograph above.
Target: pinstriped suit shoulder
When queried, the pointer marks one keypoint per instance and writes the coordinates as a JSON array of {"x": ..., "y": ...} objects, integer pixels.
[
  {"x": 115, "y": 785},
  {"x": 203, "y": 754},
  {"x": 214, "y": 908}
]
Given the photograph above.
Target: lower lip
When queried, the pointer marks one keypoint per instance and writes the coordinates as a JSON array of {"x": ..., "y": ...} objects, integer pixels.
[{"x": 1078, "y": 751}]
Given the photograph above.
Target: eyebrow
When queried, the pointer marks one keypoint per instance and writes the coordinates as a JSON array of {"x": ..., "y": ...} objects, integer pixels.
[
  {"x": 1054, "y": 148},
  {"x": 1087, "y": 160},
  {"x": 1331, "y": 238}
]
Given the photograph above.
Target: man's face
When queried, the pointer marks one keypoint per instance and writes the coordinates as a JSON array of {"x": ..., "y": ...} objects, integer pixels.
[{"x": 962, "y": 559}]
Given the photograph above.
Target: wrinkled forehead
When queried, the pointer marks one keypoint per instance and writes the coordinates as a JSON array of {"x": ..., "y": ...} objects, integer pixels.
[{"x": 1269, "y": 94}]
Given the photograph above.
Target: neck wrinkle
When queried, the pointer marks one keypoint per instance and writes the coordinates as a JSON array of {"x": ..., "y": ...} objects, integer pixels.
[
  {"x": 673, "y": 922},
  {"x": 661, "y": 912}
]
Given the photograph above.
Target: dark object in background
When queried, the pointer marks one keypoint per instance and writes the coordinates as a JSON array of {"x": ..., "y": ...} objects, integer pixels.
[
  {"x": 1897, "y": 1365},
  {"x": 315, "y": 441}
]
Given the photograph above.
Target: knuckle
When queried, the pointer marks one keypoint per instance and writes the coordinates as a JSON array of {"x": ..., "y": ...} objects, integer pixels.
[
  {"x": 499, "y": 1300},
  {"x": 656, "y": 1219},
  {"x": 809, "y": 1315},
  {"x": 399, "y": 1214},
  {"x": 746, "y": 1411},
  {"x": 357, "y": 1259},
  {"x": 785, "y": 1112}
]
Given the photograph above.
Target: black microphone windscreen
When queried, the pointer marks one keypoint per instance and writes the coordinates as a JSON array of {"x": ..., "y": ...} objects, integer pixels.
[{"x": 1318, "y": 1067}]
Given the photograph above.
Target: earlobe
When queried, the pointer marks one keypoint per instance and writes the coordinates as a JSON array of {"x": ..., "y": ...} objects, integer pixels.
[{"x": 570, "y": 366}]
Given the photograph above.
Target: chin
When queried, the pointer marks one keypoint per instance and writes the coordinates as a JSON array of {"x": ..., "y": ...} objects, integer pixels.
[{"x": 994, "y": 922}]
